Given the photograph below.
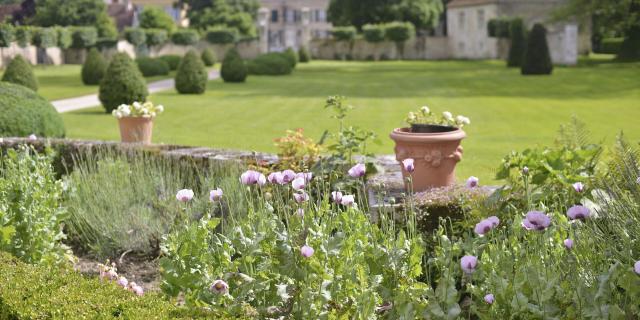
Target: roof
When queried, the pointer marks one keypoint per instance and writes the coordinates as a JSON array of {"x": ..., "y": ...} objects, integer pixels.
[
  {"x": 8, "y": 10},
  {"x": 469, "y": 3}
]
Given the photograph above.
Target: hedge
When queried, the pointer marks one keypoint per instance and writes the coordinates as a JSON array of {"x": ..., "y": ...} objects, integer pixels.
[
  {"x": 537, "y": 60},
  {"x": 156, "y": 18},
  {"x": 172, "y": 60},
  {"x": 24, "y": 35},
  {"x": 221, "y": 35},
  {"x": 24, "y": 112},
  {"x": 344, "y": 33},
  {"x": 19, "y": 72},
  {"x": 64, "y": 37},
  {"x": 7, "y": 34},
  {"x": 94, "y": 68},
  {"x": 499, "y": 27},
  {"x": 83, "y": 37},
  {"x": 151, "y": 67},
  {"x": 270, "y": 64},
  {"x": 292, "y": 55},
  {"x": 208, "y": 57},
  {"x": 185, "y": 37},
  {"x": 191, "y": 77},
  {"x": 610, "y": 45},
  {"x": 122, "y": 83},
  {"x": 518, "y": 46},
  {"x": 135, "y": 36},
  {"x": 399, "y": 31},
  {"x": 233, "y": 67},
  {"x": 156, "y": 37},
  {"x": 373, "y": 32},
  {"x": 39, "y": 292},
  {"x": 45, "y": 37},
  {"x": 304, "y": 55}
]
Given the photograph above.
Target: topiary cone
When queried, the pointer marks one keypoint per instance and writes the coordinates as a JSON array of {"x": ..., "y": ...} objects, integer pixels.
[
  {"x": 208, "y": 57},
  {"x": 518, "y": 46},
  {"x": 19, "y": 72},
  {"x": 233, "y": 67},
  {"x": 122, "y": 83},
  {"x": 192, "y": 75},
  {"x": 537, "y": 59},
  {"x": 94, "y": 68}
]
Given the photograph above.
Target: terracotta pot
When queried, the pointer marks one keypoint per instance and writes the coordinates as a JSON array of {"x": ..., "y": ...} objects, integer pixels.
[
  {"x": 435, "y": 156},
  {"x": 136, "y": 129}
]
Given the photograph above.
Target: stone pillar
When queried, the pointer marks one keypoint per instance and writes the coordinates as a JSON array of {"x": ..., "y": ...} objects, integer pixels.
[
  {"x": 570, "y": 53},
  {"x": 306, "y": 28},
  {"x": 263, "y": 29}
]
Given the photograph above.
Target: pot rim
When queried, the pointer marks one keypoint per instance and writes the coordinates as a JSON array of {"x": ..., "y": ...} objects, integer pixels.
[
  {"x": 405, "y": 134},
  {"x": 141, "y": 119}
]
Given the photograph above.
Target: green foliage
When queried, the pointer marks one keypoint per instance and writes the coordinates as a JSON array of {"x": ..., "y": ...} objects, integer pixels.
[
  {"x": 304, "y": 55},
  {"x": 423, "y": 14},
  {"x": 236, "y": 14},
  {"x": 83, "y": 37},
  {"x": 155, "y": 18},
  {"x": 105, "y": 44},
  {"x": 68, "y": 13},
  {"x": 156, "y": 37},
  {"x": 41, "y": 292},
  {"x": 122, "y": 83},
  {"x": 135, "y": 36},
  {"x": 537, "y": 59},
  {"x": 7, "y": 34},
  {"x": 31, "y": 211},
  {"x": 94, "y": 68},
  {"x": 233, "y": 67},
  {"x": 344, "y": 33},
  {"x": 64, "y": 37},
  {"x": 19, "y": 72},
  {"x": 208, "y": 57},
  {"x": 24, "y": 35},
  {"x": 151, "y": 67},
  {"x": 45, "y": 37},
  {"x": 172, "y": 60},
  {"x": 399, "y": 31},
  {"x": 24, "y": 112},
  {"x": 373, "y": 32},
  {"x": 221, "y": 35},
  {"x": 292, "y": 55},
  {"x": 630, "y": 48},
  {"x": 518, "y": 48},
  {"x": 106, "y": 27},
  {"x": 192, "y": 75},
  {"x": 499, "y": 27},
  {"x": 271, "y": 64},
  {"x": 185, "y": 37},
  {"x": 610, "y": 45}
]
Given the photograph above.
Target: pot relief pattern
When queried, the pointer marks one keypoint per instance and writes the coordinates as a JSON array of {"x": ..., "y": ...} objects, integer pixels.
[{"x": 432, "y": 157}]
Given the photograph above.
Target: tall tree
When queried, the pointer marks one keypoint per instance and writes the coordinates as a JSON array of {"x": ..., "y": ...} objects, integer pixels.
[
  {"x": 68, "y": 12},
  {"x": 239, "y": 14},
  {"x": 424, "y": 14}
]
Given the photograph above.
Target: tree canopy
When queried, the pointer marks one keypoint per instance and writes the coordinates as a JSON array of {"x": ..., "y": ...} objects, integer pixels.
[
  {"x": 69, "y": 12},
  {"x": 238, "y": 14},
  {"x": 424, "y": 14}
]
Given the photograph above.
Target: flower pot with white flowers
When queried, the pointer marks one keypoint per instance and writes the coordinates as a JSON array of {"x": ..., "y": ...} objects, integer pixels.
[
  {"x": 136, "y": 121},
  {"x": 429, "y": 150}
]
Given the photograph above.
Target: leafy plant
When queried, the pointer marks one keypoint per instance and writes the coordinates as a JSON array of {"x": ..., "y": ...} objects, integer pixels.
[
  {"x": 122, "y": 83},
  {"x": 192, "y": 75},
  {"x": 297, "y": 152},
  {"x": 19, "y": 72}
]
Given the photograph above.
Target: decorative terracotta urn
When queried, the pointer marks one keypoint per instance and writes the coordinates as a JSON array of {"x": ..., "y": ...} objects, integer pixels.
[
  {"x": 136, "y": 129},
  {"x": 435, "y": 156}
]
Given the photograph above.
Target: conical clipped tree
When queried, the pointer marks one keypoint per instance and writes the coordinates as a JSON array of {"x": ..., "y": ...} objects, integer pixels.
[
  {"x": 93, "y": 68},
  {"x": 233, "y": 67},
  {"x": 518, "y": 47},
  {"x": 630, "y": 48},
  {"x": 537, "y": 59},
  {"x": 192, "y": 74},
  {"x": 292, "y": 55},
  {"x": 19, "y": 72},
  {"x": 304, "y": 55},
  {"x": 208, "y": 57},
  {"x": 122, "y": 83}
]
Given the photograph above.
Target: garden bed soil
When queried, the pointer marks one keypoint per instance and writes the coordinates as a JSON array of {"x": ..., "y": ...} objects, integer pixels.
[{"x": 136, "y": 268}]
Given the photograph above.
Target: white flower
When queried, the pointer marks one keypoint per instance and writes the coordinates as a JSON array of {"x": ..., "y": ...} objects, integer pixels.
[
  {"x": 425, "y": 110},
  {"x": 137, "y": 106},
  {"x": 159, "y": 109},
  {"x": 412, "y": 116},
  {"x": 447, "y": 115},
  {"x": 466, "y": 121}
]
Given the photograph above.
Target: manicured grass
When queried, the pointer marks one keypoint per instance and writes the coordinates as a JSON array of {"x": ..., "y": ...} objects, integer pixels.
[{"x": 508, "y": 111}]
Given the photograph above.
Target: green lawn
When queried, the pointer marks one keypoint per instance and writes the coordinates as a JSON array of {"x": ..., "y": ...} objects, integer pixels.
[{"x": 508, "y": 111}]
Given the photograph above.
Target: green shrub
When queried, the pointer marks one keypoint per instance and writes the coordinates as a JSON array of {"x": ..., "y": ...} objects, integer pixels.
[
  {"x": 222, "y": 35},
  {"x": 31, "y": 219},
  {"x": 156, "y": 18},
  {"x": 135, "y": 36},
  {"x": 105, "y": 43},
  {"x": 304, "y": 55},
  {"x": 610, "y": 45},
  {"x": 84, "y": 37},
  {"x": 172, "y": 60},
  {"x": 185, "y": 37},
  {"x": 233, "y": 67},
  {"x": 630, "y": 47},
  {"x": 518, "y": 46},
  {"x": 344, "y": 33},
  {"x": 94, "y": 68},
  {"x": 64, "y": 37},
  {"x": 45, "y": 37},
  {"x": 41, "y": 292},
  {"x": 192, "y": 75},
  {"x": 7, "y": 34},
  {"x": 373, "y": 33},
  {"x": 19, "y": 72},
  {"x": 24, "y": 112},
  {"x": 122, "y": 83},
  {"x": 156, "y": 37},
  {"x": 208, "y": 57},
  {"x": 292, "y": 56},
  {"x": 499, "y": 27},
  {"x": 106, "y": 27},
  {"x": 271, "y": 64},
  {"x": 151, "y": 67},
  {"x": 537, "y": 59},
  {"x": 399, "y": 31},
  {"x": 24, "y": 35}
]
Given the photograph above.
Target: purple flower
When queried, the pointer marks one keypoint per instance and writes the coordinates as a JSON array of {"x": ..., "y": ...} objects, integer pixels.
[
  {"x": 215, "y": 194},
  {"x": 307, "y": 176},
  {"x": 276, "y": 178},
  {"x": 536, "y": 220},
  {"x": 138, "y": 290},
  {"x": 298, "y": 183},
  {"x": 578, "y": 213},
  {"x": 306, "y": 251},
  {"x": 358, "y": 170},
  {"x": 301, "y": 197},
  {"x": 469, "y": 264},
  {"x": 489, "y": 298},
  {"x": 184, "y": 195},
  {"x": 472, "y": 182},
  {"x": 568, "y": 243},
  {"x": 408, "y": 165},
  {"x": 288, "y": 176},
  {"x": 336, "y": 196},
  {"x": 32, "y": 137},
  {"x": 578, "y": 187},
  {"x": 300, "y": 213},
  {"x": 525, "y": 170},
  {"x": 483, "y": 227},
  {"x": 348, "y": 200},
  {"x": 494, "y": 221},
  {"x": 250, "y": 177},
  {"x": 636, "y": 267},
  {"x": 123, "y": 282},
  {"x": 219, "y": 287}
]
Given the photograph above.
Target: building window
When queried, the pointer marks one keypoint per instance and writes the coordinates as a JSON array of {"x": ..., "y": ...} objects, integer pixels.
[
  {"x": 322, "y": 16},
  {"x": 461, "y": 19},
  {"x": 297, "y": 15},
  {"x": 288, "y": 15},
  {"x": 481, "y": 23},
  {"x": 274, "y": 15}
]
